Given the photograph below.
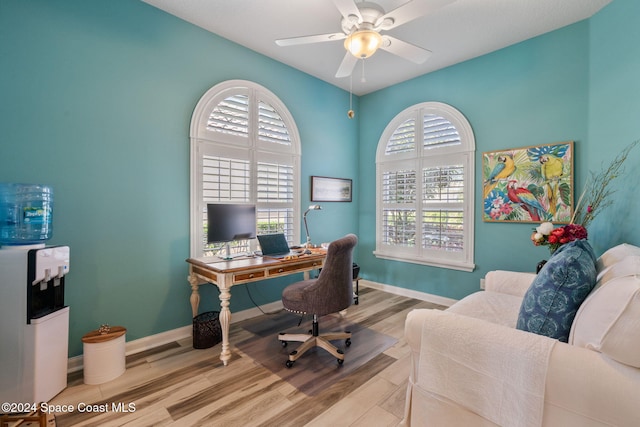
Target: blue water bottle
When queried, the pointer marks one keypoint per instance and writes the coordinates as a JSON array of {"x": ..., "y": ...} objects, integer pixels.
[{"x": 26, "y": 214}]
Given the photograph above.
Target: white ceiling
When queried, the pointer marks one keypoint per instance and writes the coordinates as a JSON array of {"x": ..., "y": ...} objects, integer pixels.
[{"x": 459, "y": 31}]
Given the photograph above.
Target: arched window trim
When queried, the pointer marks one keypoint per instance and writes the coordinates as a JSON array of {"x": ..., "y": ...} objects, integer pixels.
[
  {"x": 415, "y": 160},
  {"x": 204, "y": 141}
]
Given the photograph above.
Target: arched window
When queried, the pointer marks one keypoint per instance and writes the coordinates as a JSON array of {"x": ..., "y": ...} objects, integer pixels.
[
  {"x": 424, "y": 175},
  {"x": 245, "y": 148}
]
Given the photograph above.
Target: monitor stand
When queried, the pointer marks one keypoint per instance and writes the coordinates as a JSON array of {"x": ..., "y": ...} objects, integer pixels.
[
  {"x": 227, "y": 256},
  {"x": 227, "y": 253}
]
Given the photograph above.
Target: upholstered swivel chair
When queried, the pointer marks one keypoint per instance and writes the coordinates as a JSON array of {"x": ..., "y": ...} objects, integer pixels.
[{"x": 330, "y": 293}]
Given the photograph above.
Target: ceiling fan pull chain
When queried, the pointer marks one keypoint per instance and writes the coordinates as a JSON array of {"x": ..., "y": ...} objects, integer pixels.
[
  {"x": 350, "y": 113},
  {"x": 363, "y": 79}
]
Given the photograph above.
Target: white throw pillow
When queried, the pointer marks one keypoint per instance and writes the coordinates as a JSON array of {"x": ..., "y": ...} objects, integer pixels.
[
  {"x": 613, "y": 255},
  {"x": 628, "y": 266},
  {"x": 608, "y": 321}
]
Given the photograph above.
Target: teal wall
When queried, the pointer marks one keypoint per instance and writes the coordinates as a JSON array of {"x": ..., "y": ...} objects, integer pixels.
[
  {"x": 614, "y": 115},
  {"x": 96, "y": 99},
  {"x": 579, "y": 83}
]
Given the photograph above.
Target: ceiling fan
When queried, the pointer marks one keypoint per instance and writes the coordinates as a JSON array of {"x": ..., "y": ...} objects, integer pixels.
[{"x": 361, "y": 25}]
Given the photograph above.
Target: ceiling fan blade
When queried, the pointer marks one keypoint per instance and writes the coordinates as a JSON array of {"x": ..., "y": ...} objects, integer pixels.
[
  {"x": 347, "y": 65},
  {"x": 348, "y": 7},
  {"x": 405, "y": 50},
  {"x": 409, "y": 11},
  {"x": 311, "y": 39}
]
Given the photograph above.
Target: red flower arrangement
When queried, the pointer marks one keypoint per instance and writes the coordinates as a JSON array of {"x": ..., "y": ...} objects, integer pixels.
[{"x": 546, "y": 235}]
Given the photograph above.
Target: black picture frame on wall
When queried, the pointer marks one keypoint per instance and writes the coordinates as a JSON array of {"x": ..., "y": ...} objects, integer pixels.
[{"x": 326, "y": 189}]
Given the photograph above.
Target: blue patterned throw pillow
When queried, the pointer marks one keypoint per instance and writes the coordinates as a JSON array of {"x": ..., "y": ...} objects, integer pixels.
[{"x": 552, "y": 300}]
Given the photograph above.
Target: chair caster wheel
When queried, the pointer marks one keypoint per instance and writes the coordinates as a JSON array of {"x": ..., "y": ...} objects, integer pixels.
[
  {"x": 283, "y": 343},
  {"x": 289, "y": 363},
  {"x": 340, "y": 361},
  {"x": 347, "y": 342}
]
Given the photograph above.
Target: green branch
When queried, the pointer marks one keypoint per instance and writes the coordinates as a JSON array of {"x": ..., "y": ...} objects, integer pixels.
[{"x": 597, "y": 194}]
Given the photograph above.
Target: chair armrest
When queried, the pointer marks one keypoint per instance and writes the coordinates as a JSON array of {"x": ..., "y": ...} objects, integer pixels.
[
  {"x": 479, "y": 332},
  {"x": 582, "y": 386},
  {"x": 588, "y": 384},
  {"x": 494, "y": 371},
  {"x": 508, "y": 282}
]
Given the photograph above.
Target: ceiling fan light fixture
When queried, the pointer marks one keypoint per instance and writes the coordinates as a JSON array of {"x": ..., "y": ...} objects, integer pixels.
[{"x": 363, "y": 43}]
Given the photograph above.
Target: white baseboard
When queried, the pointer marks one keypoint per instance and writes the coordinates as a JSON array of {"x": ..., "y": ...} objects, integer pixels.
[
  {"x": 423, "y": 296},
  {"x": 152, "y": 341}
]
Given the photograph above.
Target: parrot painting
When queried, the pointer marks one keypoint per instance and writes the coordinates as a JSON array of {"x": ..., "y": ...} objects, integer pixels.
[
  {"x": 502, "y": 170},
  {"x": 526, "y": 200},
  {"x": 551, "y": 169}
]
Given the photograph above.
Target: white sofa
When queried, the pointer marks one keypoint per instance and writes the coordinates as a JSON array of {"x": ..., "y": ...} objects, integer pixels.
[{"x": 471, "y": 367}]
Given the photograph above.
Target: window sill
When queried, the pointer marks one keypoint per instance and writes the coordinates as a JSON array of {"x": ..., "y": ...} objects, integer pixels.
[{"x": 442, "y": 263}]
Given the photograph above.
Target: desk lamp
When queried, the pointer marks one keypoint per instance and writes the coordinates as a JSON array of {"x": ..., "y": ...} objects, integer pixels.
[{"x": 306, "y": 227}]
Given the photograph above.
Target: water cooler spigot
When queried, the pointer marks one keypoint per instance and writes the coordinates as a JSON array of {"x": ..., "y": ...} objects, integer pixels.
[
  {"x": 46, "y": 273},
  {"x": 46, "y": 279}
]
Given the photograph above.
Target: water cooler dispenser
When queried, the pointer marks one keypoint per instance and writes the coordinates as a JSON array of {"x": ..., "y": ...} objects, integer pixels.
[{"x": 34, "y": 321}]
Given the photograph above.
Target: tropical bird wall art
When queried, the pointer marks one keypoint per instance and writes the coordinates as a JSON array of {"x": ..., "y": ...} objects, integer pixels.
[
  {"x": 551, "y": 169},
  {"x": 502, "y": 170},
  {"x": 529, "y": 184}
]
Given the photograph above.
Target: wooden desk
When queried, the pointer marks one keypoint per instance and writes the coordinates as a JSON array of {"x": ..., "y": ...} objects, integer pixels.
[{"x": 225, "y": 274}]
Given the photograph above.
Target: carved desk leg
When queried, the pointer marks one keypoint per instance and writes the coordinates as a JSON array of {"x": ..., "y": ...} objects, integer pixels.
[
  {"x": 225, "y": 320},
  {"x": 195, "y": 295}
]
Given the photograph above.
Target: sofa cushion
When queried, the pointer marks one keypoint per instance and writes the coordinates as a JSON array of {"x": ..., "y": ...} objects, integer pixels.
[
  {"x": 494, "y": 307},
  {"x": 609, "y": 319},
  {"x": 614, "y": 255},
  {"x": 552, "y": 300},
  {"x": 628, "y": 266}
]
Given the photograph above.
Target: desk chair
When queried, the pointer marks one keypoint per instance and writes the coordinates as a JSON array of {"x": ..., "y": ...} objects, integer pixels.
[{"x": 330, "y": 293}]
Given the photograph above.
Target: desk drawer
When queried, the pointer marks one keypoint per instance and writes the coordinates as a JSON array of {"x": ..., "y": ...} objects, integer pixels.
[
  {"x": 283, "y": 269},
  {"x": 242, "y": 277},
  {"x": 208, "y": 275}
]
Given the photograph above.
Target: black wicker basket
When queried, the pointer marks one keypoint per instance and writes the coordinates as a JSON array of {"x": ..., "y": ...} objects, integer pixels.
[{"x": 207, "y": 331}]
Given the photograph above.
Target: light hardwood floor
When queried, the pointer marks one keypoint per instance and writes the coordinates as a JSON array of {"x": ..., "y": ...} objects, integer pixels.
[{"x": 176, "y": 385}]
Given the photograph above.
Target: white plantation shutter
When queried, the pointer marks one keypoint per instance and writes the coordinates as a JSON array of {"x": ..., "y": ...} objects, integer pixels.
[
  {"x": 245, "y": 149},
  {"x": 399, "y": 207},
  {"x": 425, "y": 188},
  {"x": 439, "y": 132},
  {"x": 225, "y": 180},
  {"x": 443, "y": 184},
  {"x": 443, "y": 208},
  {"x": 403, "y": 138},
  {"x": 231, "y": 116},
  {"x": 275, "y": 183},
  {"x": 275, "y": 196},
  {"x": 442, "y": 229},
  {"x": 399, "y": 187},
  {"x": 271, "y": 127},
  {"x": 399, "y": 227}
]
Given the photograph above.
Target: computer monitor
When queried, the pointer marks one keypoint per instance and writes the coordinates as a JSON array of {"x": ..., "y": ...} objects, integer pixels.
[{"x": 227, "y": 222}]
